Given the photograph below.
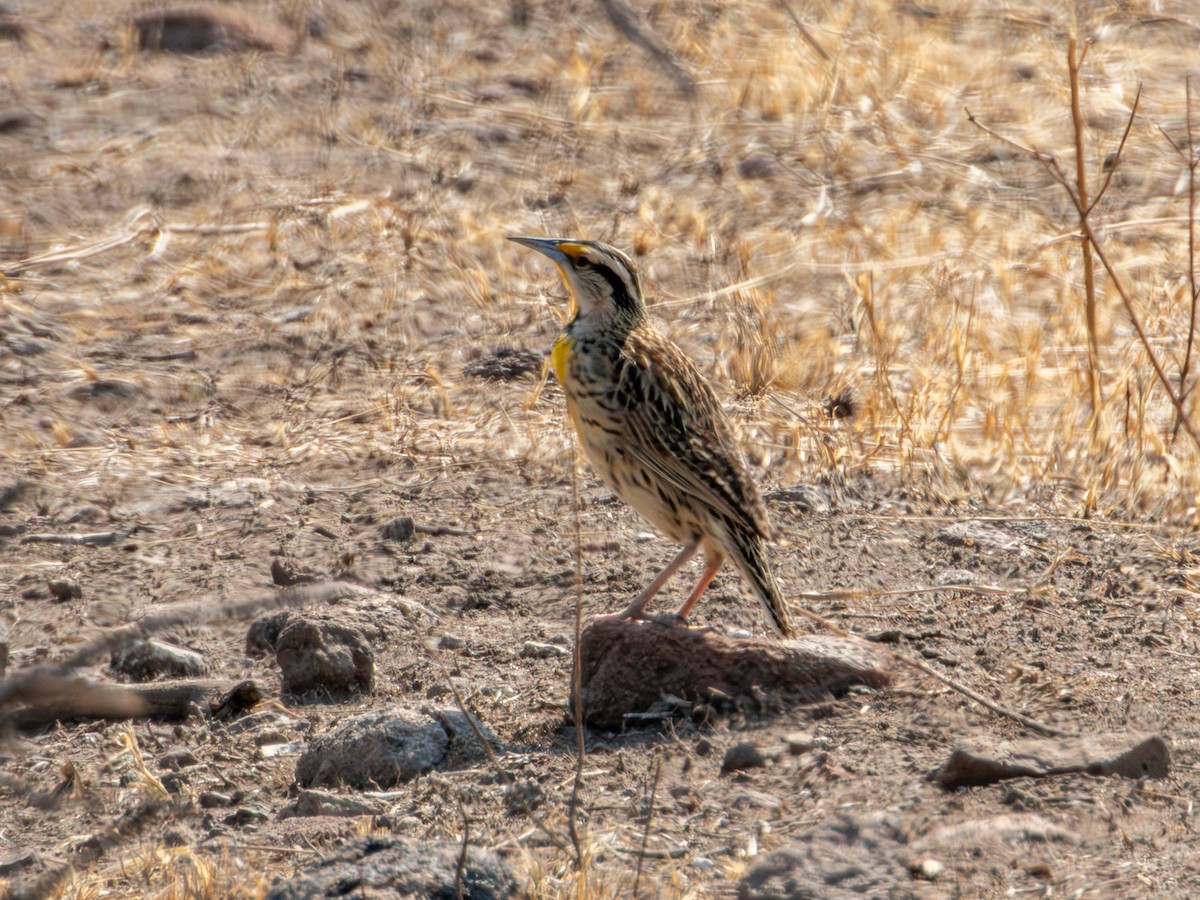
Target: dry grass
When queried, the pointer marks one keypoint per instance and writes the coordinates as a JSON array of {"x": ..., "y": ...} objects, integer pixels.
[
  {"x": 337, "y": 216},
  {"x": 806, "y": 226}
]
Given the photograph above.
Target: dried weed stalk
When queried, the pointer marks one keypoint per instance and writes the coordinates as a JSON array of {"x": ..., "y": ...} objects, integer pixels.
[{"x": 1092, "y": 240}]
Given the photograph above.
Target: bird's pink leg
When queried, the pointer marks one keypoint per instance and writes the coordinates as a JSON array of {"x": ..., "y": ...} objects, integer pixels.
[
  {"x": 637, "y": 608},
  {"x": 712, "y": 565}
]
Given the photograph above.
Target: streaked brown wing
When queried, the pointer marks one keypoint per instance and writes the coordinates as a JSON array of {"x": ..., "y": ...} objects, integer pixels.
[{"x": 680, "y": 430}]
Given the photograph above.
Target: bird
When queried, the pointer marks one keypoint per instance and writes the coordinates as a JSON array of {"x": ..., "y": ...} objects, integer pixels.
[{"x": 652, "y": 427}]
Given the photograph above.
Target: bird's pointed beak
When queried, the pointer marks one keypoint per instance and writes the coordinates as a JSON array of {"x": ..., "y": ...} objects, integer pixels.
[{"x": 546, "y": 246}]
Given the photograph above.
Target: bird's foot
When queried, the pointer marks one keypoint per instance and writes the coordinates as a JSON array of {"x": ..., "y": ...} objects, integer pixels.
[
  {"x": 673, "y": 619},
  {"x": 626, "y": 616}
]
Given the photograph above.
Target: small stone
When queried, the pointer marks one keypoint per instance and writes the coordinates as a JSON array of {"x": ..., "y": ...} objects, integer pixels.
[
  {"x": 63, "y": 589},
  {"x": 214, "y": 800},
  {"x": 451, "y": 642},
  {"x": 979, "y": 535},
  {"x": 247, "y": 815},
  {"x": 759, "y": 164},
  {"x": 930, "y": 869},
  {"x": 263, "y": 633},
  {"x": 210, "y": 28},
  {"x": 107, "y": 391},
  {"x": 334, "y": 660},
  {"x": 743, "y": 755},
  {"x": 242, "y": 696},
  {"x": 951, "y": 577},
  {"x": 286, "y": 573},
  {"x": 536, "y": 650},
  {"x": 150, "y": 659},
  {"x": 178, "y": 758},
  {"x": 387, "y": 866},
  {"x": 800, "y": 742},
  {"x": 326, "y": 803},
  {"x": 464, "y": 733},
  {"x": 505, "y": 363},
  {"x": 401, "y": 528},
  {"x": 376, "y": 750}
]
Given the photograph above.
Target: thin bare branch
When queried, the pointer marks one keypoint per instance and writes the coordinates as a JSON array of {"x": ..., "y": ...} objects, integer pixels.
[
  {"x": 1117, "y": 155},
  {"x": 626, "y": 21},
  {"x": 637, "y": 878},
  {"x": 577, "y": 710},
  {"x": 1056, "y": 173},
  {"x": 804, "y": 32},
  {"x": 1016, "y": 145},
  {"x": 1085, "y": 248},
  {"x": 1127, "y": 302},
  {"x": 1193, "y": 160}
]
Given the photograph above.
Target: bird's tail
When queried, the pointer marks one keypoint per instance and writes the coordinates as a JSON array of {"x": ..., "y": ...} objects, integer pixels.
[{"x": 752, "y": 561}]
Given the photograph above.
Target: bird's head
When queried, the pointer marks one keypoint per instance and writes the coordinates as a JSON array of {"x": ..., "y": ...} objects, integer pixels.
[{"x": 601, "y": 280}]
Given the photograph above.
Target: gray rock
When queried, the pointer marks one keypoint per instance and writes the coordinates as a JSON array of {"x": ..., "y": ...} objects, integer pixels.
[
  {"x": 178, "y": 758},
  {"x": 375, "y": 867},
  {"x": 401, "y": 528},
  {"x": 951, "y": 577},
  {"x": 264, "y": 633},
  {"x": 451, "y": 642},
  {"x": 537, "y": 650},
  {"x": 465, "y": 744},
  {"x": 800, "y": 742},
  {"x": 325, "y": 803},
  {"x": 63, "y": 589},
  {"x": 981, "y": 535},
  {"x": 150, "y": 659},
  {"x": 743, "y": 755},
  {"x": 334, "y": 660},
  {"x": 380, "y": 749},
  {"x": 848, "y": 857},
  {"x": 805, "y": 497}
]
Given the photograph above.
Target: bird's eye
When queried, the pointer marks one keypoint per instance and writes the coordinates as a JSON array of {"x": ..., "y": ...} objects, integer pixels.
[{"x": 582, "y": 262}]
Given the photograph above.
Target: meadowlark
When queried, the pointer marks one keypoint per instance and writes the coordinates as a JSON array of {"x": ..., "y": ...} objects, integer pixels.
[{"x": 652, "y": 427}]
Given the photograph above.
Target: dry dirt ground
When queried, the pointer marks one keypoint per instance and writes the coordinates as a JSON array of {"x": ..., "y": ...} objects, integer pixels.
[{"x": 257, "y": 303}]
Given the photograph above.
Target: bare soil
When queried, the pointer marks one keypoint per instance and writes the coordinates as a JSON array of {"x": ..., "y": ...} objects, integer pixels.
[{"x": 305, "y": 323}]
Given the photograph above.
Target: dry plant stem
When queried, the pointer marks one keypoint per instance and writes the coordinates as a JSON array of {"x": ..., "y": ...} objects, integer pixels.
[
  {"x": 625, "y": 21},
  {"x": 637, "y": 878},
  {"x": 504, "y": 775},
  {"x": 1193, "y": 286},
  {"x": 460, "y": 891},
  {"x": 969, "y": 693},
  {"x": 1050, "y": 164},
  {"x": 1085, "y": 248},
  {"x": 577, "y": 684},
  {"x": 804, "y": 32}
]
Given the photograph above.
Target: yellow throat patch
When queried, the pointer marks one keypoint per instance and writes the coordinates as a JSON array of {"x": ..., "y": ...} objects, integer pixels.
[{"x": 559, "y": 356}]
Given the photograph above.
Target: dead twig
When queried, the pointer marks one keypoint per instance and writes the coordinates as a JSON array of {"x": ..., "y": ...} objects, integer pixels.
[
  {"x": 1191, "y": 160},
  {"x": 804, "y": 32},
  {"x": 1085, "y": 248},
  {"x": 1050, "y": 164},
  {"x": 460, "y": 888},
  {"x": 921, "y": 666},
  {"x": 95, "y": 539},
  {"x": 637, "y": 878},
  {"x": 577, "y": 684},
  {"x": 626, "y": 22}
]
